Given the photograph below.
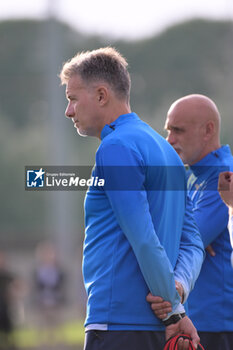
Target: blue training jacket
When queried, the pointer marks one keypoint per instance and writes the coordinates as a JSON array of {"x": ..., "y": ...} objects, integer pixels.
[
  {"x": 139, "y": 228},
  {"x": 211, "y": 301}
]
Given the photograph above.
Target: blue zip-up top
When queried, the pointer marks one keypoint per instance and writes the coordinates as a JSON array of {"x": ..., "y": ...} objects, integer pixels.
[
  {"x": 211, "y": 301},
  {"x": 137, "y": 232}
]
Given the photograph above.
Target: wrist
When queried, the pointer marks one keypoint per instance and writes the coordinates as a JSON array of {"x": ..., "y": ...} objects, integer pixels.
[{"x": 174, "y": 319}]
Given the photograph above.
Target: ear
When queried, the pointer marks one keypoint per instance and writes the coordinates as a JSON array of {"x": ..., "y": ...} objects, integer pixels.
[
  {"x": 102, "y": 95},
  {"x": 209, "y": 130}
]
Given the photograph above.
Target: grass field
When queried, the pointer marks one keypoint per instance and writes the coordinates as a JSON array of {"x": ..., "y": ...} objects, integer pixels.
[{"x": 70, "y": 335}]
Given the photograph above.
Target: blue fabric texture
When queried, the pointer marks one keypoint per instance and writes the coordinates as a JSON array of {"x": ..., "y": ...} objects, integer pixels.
[
  {"x": 211, "y": 301},
  {"x": 136, "y": 232}
]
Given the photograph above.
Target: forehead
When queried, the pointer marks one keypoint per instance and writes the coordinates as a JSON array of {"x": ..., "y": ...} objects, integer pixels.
[
  {"x": 74, "y": 84},
  {"x": 179, "y": 119},
  {"x": 174, "y": 122}
]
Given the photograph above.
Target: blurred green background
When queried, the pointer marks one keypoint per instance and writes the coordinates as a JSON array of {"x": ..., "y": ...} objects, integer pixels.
[{"x": 192, "y": 57}]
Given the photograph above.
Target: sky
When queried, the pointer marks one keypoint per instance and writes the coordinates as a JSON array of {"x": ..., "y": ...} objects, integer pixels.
[{"x": 119, "y": 19}]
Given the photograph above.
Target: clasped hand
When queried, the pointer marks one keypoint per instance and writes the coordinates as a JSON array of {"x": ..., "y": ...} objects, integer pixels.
[{"x": 161, "y": 308}]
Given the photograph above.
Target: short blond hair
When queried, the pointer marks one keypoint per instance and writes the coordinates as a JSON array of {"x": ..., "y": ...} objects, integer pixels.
[{"x": 105, "y": 64}]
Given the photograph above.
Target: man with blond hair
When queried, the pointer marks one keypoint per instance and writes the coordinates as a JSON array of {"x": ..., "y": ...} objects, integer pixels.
[
  {"x": 139, "y": 237},
  {"x": 193, "y": 127}
]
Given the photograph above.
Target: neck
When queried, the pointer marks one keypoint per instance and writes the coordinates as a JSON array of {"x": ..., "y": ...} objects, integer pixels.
[
  {"x": 210, "y": 147},
  {"x": 117, "y": 111},
  {"x": 213, "y": 146},
  {"x": 112, "y": 113}
]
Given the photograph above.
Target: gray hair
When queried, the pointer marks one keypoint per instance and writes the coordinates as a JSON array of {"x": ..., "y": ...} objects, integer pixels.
[{"x": 105, "y": 64}]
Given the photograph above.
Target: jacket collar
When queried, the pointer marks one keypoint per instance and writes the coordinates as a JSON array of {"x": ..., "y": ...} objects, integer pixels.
[
  {"x": 212, "y": 159},
  {"x": 122, "y": 119}
]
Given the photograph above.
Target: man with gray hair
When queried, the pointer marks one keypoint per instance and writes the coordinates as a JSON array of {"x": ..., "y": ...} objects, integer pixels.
[
  {"x": 193, "y": 127},
  {"x": 140, "y": 236}
]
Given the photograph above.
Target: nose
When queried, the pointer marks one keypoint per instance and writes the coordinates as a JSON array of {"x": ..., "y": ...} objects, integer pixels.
[
  {"x": 171, "y": 138},
  {"x": 69, "y": 112}
]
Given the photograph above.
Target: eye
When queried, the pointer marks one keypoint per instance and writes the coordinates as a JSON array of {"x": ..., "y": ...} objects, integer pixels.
[
  {"x": 177, "y": 130},
  {"x": 71, "y": 98}
]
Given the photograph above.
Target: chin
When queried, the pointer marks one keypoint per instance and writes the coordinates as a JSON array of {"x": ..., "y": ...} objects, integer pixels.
[
  {"x": 183, "y": 159},
  {"x": 82, "y": 133}
]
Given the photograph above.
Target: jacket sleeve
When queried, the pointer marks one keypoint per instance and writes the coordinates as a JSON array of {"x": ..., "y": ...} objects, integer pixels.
[
  {"x": 131, "y": 208},
  {"x": 191, "y": 253}
]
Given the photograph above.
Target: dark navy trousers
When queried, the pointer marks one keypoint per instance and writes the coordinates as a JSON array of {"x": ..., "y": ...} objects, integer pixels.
[
  {"x": 124, "y": 340},
  {"x": 216, "y": 341}
]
